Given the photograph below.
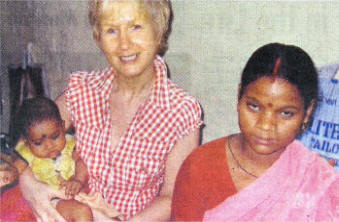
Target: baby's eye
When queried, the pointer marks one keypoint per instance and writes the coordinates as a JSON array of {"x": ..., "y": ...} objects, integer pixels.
[
  {"x": 55, "y": 137},
  {"x": 287, "y": 114},
  {"x": 253, "y": 106},
  {"x": 37, "y": 143}
]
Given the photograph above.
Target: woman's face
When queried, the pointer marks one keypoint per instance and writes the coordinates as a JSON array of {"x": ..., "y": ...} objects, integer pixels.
[
  {"x": 270, "y": 114},
  {"x": 127, "y": 37}
]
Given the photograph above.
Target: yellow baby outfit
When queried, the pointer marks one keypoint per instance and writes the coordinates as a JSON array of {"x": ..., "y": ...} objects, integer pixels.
[{"x": 47, "y": 170}]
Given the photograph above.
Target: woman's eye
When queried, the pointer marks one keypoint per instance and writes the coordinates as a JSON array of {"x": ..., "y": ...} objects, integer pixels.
[
  {"x": 136, "y": 27},
  {"x": 111, "y": 31},
  {"x": 287, "y": 114},
  {"x": 253, "y": 107}
]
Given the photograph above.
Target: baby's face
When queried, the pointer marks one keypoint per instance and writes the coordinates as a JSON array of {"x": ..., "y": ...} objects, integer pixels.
[
  {"x": 8, "y": 174},
  {"x": 46, "y": 139}
]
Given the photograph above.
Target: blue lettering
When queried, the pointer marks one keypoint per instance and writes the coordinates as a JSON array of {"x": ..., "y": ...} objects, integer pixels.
[
  {"x": 316, "y": 144},
  {"x": 316, "y": 125},
  {"x": 335, "y": 149},
  {"x": 330, "y": 101},
  {"x": 327, "y": 125},
  {"x": 328, "y": 147},
  {"x": 335, "y": 132},
  {"x": 325, "y": 146}
]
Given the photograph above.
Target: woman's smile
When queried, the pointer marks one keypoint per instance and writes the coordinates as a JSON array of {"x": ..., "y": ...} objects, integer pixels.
[{"x": 128, "y": 38}]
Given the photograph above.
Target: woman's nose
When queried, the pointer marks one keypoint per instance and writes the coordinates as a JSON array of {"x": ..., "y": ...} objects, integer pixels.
[
  {"x": 124, "y": 40},
  {"x": 266, "y": 121}
]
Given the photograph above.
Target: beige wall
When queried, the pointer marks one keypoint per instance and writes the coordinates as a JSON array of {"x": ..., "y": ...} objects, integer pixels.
[
  {"x": 209, "y": 45},
  {"x": 212, "y": 40}
]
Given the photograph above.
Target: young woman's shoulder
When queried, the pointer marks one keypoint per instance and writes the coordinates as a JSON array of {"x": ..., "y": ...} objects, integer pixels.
[{"x": 212, "y": 152}]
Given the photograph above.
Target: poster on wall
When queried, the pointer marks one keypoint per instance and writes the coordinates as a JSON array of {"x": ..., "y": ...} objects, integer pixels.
[{"x": 322, "y": 135}]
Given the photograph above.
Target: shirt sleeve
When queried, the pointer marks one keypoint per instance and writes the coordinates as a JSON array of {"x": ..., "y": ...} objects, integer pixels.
[
  {"x": 189, "y": 117},
  {"x": 72, "y": 93}
]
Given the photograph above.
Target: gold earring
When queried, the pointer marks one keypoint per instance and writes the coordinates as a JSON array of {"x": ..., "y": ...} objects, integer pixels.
[{"x": 303, "y": 127}]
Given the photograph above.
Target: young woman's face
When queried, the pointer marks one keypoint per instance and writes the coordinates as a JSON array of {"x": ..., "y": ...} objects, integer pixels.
[
  {"x": 127, "y": 37},
  {"x": 46, "y": 139},
  {"x": 270, "y": 114}
]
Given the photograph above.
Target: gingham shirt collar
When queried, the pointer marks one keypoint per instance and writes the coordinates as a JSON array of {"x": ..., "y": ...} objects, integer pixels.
[{"x": 160, "y": 91}]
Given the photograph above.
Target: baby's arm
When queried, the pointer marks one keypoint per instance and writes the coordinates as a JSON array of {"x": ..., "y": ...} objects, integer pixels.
[
  {"x": 20, "y": 165},
  {"x": 74, "y": 185}
]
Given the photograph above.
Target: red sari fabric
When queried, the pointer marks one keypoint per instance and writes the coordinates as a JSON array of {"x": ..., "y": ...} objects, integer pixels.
[
  {"x": 14, "y": 207},
  {"x": 203, "y": 182}
]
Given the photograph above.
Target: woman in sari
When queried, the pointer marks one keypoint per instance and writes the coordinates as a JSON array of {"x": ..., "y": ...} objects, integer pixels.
[{"x": 263, "y": 173}]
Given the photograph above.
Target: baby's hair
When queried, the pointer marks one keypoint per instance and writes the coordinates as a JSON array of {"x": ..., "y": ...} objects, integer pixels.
[
  {"x": 288, "y": 62},
  {"x": 33, "y": 111}
]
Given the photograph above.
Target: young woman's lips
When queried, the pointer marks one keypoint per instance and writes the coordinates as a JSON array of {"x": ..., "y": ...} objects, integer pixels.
[{"x": 263, "y": 141}]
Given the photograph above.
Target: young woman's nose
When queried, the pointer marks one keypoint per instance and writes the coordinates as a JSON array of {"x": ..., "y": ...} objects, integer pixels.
[{"x": 266, "y": 121}]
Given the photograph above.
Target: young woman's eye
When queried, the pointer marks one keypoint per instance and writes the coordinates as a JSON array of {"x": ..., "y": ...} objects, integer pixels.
[
  {"x": 253, "y": 107},
  {"x": 287, "y": 114}
]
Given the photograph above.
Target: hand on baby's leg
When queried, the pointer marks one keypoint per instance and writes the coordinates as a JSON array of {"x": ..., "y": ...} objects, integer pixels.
[
  {"x": 97, "y": 203},
  {"x": 71, "y": 186}
]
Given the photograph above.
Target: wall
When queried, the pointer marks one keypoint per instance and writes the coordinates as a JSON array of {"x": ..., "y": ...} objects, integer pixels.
[
  {"x": 209, "y": 45},
  {"x": 16, "y": 31},
  {"x": 212, "y": 40}
]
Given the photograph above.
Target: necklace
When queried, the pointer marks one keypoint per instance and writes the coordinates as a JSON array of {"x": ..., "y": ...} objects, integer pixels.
[{"x": 235, "y": 159}]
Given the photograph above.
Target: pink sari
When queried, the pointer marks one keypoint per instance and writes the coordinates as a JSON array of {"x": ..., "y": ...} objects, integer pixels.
[{"x": 300, "y": 186}]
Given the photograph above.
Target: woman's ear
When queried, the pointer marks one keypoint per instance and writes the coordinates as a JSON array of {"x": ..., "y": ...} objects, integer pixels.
[
  {"x": 97, "y": 40},
  {"x": 238, "y": 96},
  {"x": 239, "y": 90},
  {"x": 63, "y": 125},
  {"x": 309, "y": 112}
]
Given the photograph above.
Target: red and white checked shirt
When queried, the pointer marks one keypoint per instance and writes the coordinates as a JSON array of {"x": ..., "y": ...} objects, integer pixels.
[{"x": 129, "y": 175}]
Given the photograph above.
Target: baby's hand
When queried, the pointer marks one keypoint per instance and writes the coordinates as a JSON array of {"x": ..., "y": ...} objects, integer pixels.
[
  {"x": 8, "y": 174},
  {"x": 72, "y": 186}
]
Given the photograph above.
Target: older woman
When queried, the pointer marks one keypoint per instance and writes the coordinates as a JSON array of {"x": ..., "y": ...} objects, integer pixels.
[{"x": 134, "y": 127}]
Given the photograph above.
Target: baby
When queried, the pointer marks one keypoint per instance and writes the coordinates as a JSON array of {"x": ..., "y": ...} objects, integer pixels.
[{"x": 49, "y": 152}]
